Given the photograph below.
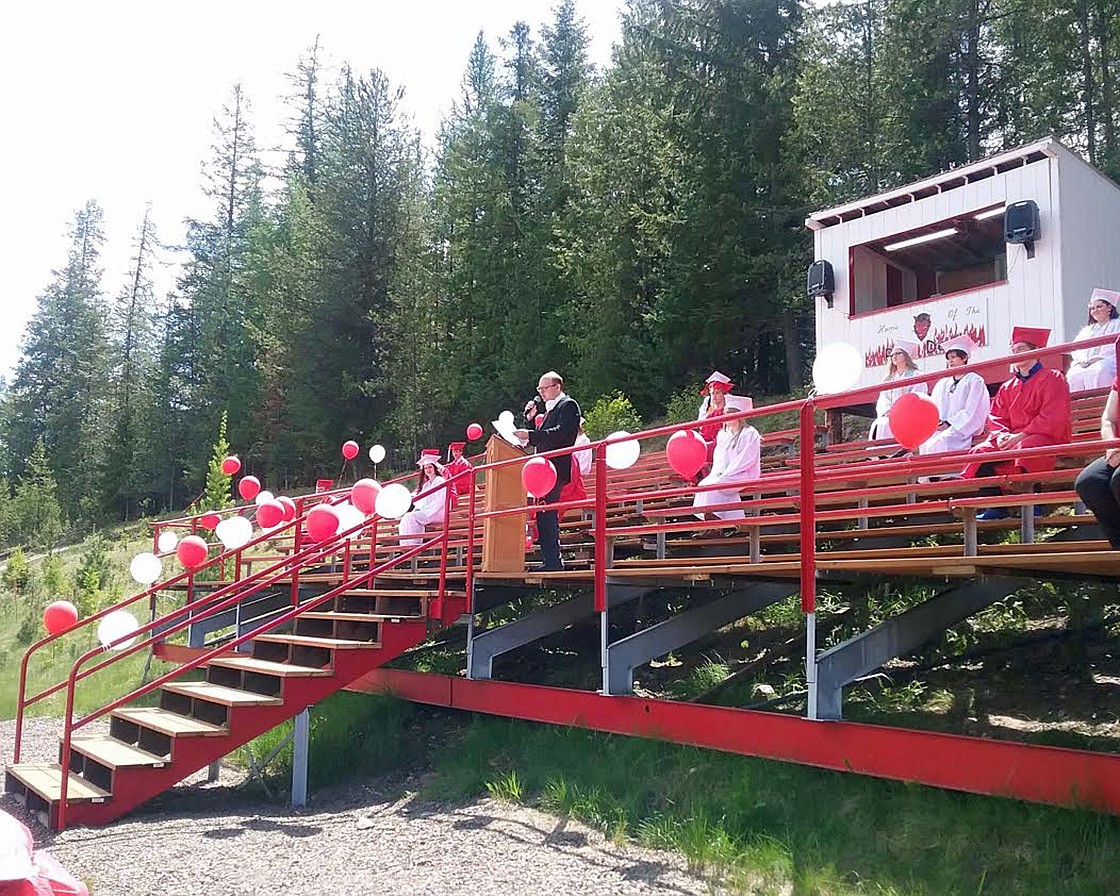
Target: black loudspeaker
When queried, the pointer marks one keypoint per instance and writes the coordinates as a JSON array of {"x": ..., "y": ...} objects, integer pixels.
[
  {"x": 820, "y": 281},
  {"x": 1020, "y": 222}
]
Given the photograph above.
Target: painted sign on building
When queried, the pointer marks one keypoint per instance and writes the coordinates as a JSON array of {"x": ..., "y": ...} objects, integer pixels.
[{"x": 935, "y": 323}]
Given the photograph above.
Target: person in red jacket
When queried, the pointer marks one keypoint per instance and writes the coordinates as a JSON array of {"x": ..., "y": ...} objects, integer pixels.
[
  {"x": 715, "y": 390},
  {"x": 457, "y": 464},
  {"x": 1030, "y": 410}
]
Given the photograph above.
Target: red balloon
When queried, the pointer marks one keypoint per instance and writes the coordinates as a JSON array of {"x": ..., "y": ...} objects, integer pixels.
[
  {"x": 322, "y": 522},
  {"x": 209, "y": 520},
  {"x": 686, "y": 452},
  {"x": 249, "y": 487},
  {"x": 538, "y": 420},
  {"x": 364, "y": 495},
  {"x": 289, "y": 508},
  {"x": 538, "y": 476},
  {"x": 914, "y": 418},
  {"x": 474, "y": 431},
  {"x": 191, "y": 551},
  {"x": 59, "y": 616},
  {"x": 350, "y": 450},
  {"x": 270, "y": 514},
  {"x": 231, "y": 465}
]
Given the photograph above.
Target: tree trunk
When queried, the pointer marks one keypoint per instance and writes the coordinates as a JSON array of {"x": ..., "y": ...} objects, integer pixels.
[
  {"x": 1087, "y": 82},
  {"x": 794, "y": 361}
]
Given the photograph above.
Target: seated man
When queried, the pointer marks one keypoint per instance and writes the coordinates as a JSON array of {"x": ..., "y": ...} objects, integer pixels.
[
  {"x": 457, "y": 471},
  {"x": 1099, "y": 483},
  {"x": 1030, "y": 410}
]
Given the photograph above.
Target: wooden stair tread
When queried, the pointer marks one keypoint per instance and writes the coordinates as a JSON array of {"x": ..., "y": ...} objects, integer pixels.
[
  {"x": 113, "y": 753},
  {"x": 268, "y": 667},
  {"x": 217, "y": 693},
  {"x": 167, "y": 722},
  {"x": 45, "y": 779},
  {"x": 308, "y": 641},
  {"x": 401, "y": 592}
]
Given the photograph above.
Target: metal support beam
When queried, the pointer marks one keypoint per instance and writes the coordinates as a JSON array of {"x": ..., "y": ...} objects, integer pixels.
[
  {"x": 624, "y": 656},
  {"x": 902, "y": 635},
  {"x": 483, "y": 647},
  {"x": 1026, "y": 523},
  {"x": 971, "y": 546},
  {"x": 300, "y": 744}
]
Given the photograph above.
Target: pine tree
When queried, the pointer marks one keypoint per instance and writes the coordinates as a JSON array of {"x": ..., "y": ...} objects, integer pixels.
[
  {"x": 217, "y": 495},
  {"x": 36, "y": 514}
]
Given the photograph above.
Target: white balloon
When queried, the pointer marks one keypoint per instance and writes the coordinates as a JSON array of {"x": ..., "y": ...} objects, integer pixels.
[
  {"x": 234, "y": 532},
  {"x": 377, "y": 453},
  {"x": 146, "y": 566},
  {"x": 393, "y": 501},
  {"x": 167, "y": 541},
  {"x": 262, "y": 496},
  {"x": 118, "y": 624},
  {"x": 621, "y": 455},
  {"x": 506, "y": 418},
  {"x": 348, "y": 517},
  {"x": 837, "y": 368}
]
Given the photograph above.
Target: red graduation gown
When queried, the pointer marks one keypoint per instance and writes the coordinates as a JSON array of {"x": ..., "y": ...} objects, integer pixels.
[
  {"x": 459, "y": 484},
  {"x": 1038, "y": 407}
]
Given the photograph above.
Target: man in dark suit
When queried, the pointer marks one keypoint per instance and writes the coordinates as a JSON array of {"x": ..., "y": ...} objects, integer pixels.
[{"x": 558, "y": 430}]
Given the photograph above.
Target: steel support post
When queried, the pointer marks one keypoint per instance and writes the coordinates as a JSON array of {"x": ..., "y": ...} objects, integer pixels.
[
  {"x": 300, "y": 743},
  {"x": 624, "y": 656},
  {"x": 484, "y": 646},
  {"x": 841, "y": 665}
]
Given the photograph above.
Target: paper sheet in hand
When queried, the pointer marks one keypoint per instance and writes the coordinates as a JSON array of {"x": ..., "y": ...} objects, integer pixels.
[{"x": 506, "y": 430}]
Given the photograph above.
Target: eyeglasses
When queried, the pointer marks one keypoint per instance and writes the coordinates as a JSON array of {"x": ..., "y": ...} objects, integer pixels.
[{"x": 548, "y": 386}]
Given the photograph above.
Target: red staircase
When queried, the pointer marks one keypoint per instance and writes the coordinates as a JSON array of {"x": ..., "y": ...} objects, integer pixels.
[{"x": 239, "y": 689}]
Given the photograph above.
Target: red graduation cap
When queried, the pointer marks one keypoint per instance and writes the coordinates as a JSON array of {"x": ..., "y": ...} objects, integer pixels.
[
  {"x": 456, "y": 446},
  {"x": 1036, "y": 336}
]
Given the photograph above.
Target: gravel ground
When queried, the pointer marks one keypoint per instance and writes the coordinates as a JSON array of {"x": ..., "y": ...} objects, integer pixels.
[{"x": 376, "y": 836}]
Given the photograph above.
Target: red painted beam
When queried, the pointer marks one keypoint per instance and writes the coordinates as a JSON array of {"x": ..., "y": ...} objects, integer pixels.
[{"x": 975, "y": 765}]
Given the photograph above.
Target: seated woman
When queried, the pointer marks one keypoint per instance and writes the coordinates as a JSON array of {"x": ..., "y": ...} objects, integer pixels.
[
  {"x": 961, "y": 399},
  {"x": 1098, "y": 484},
  {"x": 1030, "y": 410},
  {"x": 737, "y": 461},
  {"x": 429, "y": 509},
  {"x": 574, "y": 489},
  {"x": 900, "y": 367},
  {"x": 1095, "y": 368}
]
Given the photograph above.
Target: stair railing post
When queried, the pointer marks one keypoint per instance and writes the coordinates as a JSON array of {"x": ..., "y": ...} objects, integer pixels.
[
  {"x": 445, "y": 538},
  {"x": 809, "y": 549},
  {"x": 599, "y": 526},
  {"x": 296, "y": 547},
  {"x": 472, "y": 508}
]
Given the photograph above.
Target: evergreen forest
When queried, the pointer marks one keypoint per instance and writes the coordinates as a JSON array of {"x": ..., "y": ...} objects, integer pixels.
[{"x": 632, "y": 227}]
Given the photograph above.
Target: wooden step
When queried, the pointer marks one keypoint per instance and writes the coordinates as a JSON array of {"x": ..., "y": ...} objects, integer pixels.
[
  {"x": 167, "y": 722},
  {"x": 401, "y": 592},
  {"x": 308, "y": 641},
  {"x": 112, "y": 753},
  {"x": 217, "y": 693},
  {"x": 356, "y": 617},
  {"x": 268, "y": 667},
  {"x": 45, "y": 779}
]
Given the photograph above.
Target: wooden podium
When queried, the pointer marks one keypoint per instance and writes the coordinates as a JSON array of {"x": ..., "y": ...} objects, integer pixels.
[{"x": 503, "y": 537}]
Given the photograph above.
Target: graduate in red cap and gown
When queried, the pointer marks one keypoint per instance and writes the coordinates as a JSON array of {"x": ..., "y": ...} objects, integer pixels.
[
  {"x": 457, "y": 471},
  {"x": 1030, "y": 410}
]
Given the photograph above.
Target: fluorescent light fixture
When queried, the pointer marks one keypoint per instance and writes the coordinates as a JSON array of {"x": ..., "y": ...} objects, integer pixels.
[
  {"x": 918, "y": 240},
  {"x": 990, "y": 213}
]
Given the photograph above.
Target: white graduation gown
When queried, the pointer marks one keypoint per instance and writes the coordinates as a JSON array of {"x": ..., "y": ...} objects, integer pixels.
[
  {"x": 964, "y": 404},
  {"x": 737, "y": 460},
  {"x": 583, "y": 458},
  {"x": 1094, "y": 368},
  {"x": 428, "y": 510},
  {"x": 881, "y": 428}
]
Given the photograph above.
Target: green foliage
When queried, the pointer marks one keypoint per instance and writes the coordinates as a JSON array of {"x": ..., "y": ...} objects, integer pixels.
[
  {"x": 682, "y": 406},
  {"x": 610, "y": 414},
  {"x": 217, "y": 494},
  {"x": 93, "y": 575},
  {"x": 35, "y": 509},
  {"x": 16, "y": 572}
]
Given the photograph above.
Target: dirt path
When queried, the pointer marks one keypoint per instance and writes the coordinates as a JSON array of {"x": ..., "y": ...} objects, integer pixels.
[{"x": 376, "y": 837}]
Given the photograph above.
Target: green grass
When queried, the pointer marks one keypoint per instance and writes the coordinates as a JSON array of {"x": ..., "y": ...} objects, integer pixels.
[{"x": 774, "y": 827}]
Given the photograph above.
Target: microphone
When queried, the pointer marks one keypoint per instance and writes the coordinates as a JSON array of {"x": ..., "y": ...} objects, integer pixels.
[{"x": 531, "y": 408}]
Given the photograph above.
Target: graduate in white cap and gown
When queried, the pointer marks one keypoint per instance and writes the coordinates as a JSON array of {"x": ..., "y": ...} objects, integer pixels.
[
  {"x": 737, "y": 461},
  {"x": 900, "y": 367},
  {"x": 962, "y": 400},
  {"x": 427, "y": 509},
  {"x": 1095, "y": 367}
]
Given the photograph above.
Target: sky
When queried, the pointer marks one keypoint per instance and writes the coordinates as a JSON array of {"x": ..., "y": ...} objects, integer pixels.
[{"x": 115, "y": 101}]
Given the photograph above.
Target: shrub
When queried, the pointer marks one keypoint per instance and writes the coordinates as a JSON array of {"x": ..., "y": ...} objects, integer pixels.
[
  {"x": 16, "y": 573},
  {"x": 682, "y": 406},
  {"x": 610, "y": 414}
]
